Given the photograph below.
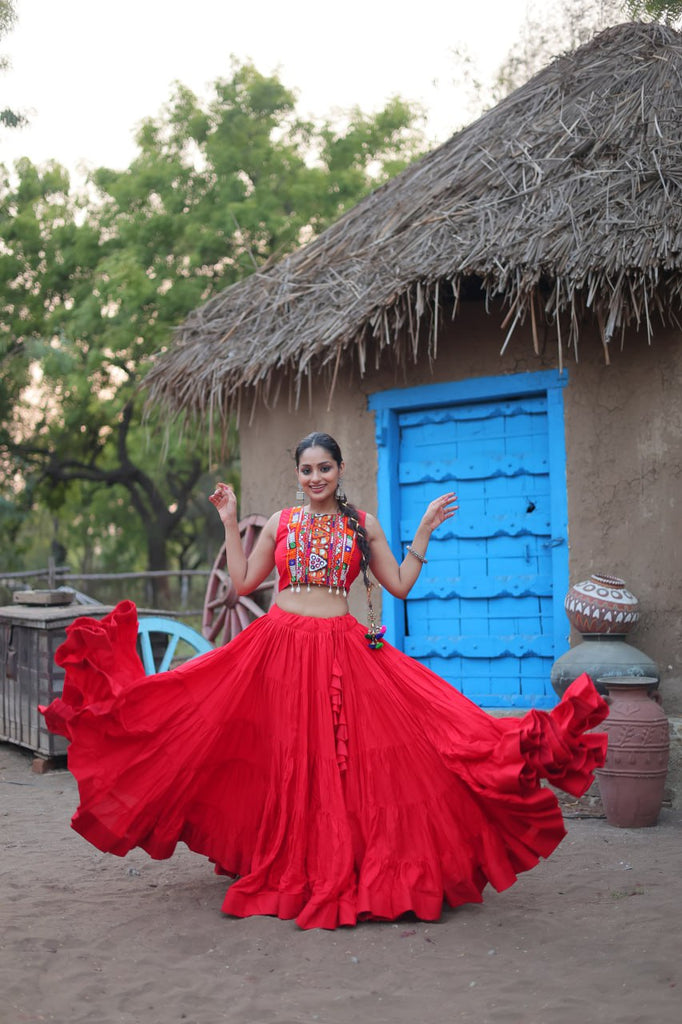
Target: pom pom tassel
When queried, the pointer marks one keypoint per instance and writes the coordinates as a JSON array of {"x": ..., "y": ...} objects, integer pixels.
[{"x": 375, "y": 634}]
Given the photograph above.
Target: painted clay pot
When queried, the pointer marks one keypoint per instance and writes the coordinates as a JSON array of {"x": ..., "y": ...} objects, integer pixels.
[
  {"x": 601, "y": 604},
  {"x": 632, "y": 779}
]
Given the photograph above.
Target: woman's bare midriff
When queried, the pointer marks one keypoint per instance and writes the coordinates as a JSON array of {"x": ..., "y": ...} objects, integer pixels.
[{"x": 317, "y": 602}]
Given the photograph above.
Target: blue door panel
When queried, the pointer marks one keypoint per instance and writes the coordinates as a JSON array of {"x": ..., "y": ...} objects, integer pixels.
[
  {"x": 477, "y": 646},
  {"x": 517, "y": 460},
  {"x": 483, "y": 613}
]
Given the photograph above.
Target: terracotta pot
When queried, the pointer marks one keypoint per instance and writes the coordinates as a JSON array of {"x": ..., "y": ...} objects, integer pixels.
[
  {"x": 601, "y": 604},
  {"x": 632, "y": 779}
]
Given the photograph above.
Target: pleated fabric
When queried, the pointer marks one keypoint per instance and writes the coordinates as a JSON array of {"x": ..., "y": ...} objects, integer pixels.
[{"x": 335, "y": 782}]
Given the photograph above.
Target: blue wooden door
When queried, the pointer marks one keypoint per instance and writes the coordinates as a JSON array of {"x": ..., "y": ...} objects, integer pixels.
[{"x": 485, "y": 613}]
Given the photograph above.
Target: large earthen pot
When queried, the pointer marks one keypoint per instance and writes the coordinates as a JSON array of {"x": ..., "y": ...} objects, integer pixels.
[
  {"x": 632, "y": 779},
  {"x": 601, "y": 655}
]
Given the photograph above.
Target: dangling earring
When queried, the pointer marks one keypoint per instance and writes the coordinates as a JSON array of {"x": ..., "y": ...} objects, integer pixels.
[
  {"x": 299, "y": 493},
  {"x": 339, "y": 492}
]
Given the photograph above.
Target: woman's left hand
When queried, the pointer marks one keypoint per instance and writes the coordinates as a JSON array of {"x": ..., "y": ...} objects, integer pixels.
[{"x": 439, "y": 510}]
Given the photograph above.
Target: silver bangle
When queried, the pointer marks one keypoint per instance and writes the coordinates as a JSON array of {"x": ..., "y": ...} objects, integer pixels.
[{"x": 417, "y": 555}]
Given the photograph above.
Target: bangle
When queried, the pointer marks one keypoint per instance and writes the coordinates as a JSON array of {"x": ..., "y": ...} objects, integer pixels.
[{"x": 416, "y": 554}]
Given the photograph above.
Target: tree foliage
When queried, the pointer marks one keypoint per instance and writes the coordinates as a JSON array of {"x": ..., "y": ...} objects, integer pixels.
[
  {"x": 92, "y": 285},
  {"x": 667, "y": 11},
  {"x": 8, "y": 117}
]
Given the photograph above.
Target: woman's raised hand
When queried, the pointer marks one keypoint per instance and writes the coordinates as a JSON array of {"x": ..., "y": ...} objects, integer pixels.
[
  {"x": 225, "y": 500},
  {"x": 439, "y": 510}
]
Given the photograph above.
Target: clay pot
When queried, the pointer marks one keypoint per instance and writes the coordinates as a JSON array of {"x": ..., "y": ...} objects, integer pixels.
[
  {"x": 601, "y": 604},
  {"x": 633, "y": 777},
  {"x": 601, "y": 655}
]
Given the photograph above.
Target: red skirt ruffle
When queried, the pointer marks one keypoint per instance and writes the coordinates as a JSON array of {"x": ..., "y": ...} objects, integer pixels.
[{"x": 339, "y": 783}]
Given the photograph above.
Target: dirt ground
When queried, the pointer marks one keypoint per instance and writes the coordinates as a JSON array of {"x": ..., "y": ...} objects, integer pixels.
[{"x": 592, "y": 935}]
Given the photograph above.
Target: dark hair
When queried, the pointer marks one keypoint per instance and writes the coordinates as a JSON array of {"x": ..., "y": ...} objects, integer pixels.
[{"x": 316, "y": 439}]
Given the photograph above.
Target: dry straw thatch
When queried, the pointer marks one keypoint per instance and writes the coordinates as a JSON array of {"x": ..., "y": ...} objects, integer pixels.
[{"x": 565, "y": 200}]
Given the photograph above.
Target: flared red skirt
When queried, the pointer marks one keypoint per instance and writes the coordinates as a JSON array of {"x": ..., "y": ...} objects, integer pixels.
[{"x": 335, "y": 782}]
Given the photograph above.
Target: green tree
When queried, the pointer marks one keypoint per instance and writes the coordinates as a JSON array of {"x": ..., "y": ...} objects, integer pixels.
[
  {"x": 667, "y": 11},
  {"x": 91, "y": 287},
  {"x": 9, "y": 118}
]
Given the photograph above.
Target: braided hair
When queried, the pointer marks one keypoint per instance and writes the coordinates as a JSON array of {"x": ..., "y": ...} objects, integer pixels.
[{"x": 326, "y": 441}]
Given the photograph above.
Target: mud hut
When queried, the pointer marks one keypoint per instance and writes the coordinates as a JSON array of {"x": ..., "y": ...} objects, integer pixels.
[{"x": 503, "y": 318}]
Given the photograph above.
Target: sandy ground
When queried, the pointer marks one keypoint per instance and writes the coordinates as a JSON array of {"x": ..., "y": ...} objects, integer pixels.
[{"x": 592, "y": 935}]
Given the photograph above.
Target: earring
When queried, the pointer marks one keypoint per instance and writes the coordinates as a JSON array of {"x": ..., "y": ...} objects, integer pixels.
[
  {"x": 339, "y": 492},
  {"x": 299, "y": 494}
]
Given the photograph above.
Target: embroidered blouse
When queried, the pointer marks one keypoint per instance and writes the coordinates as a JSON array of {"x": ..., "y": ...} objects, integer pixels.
[{"x": 316, "y": 550}]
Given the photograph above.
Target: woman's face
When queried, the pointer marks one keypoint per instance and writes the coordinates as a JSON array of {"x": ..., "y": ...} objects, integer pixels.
[{"x": 318, "y": 475}]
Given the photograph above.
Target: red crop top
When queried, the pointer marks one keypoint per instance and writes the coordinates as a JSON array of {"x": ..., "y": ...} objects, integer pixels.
[{"x": 316, "y": 550}]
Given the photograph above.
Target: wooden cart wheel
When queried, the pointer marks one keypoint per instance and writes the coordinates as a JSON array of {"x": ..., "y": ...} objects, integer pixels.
[
  {"x": 159, "y": 640},
  {"x": 227, "y": 613}
]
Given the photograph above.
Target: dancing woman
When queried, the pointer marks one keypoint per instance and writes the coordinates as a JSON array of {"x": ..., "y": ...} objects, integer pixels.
[{"x": 334, "y": 777}]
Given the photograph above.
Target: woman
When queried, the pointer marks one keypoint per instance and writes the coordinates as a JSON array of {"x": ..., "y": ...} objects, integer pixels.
[{"x": 336, "y": 778}]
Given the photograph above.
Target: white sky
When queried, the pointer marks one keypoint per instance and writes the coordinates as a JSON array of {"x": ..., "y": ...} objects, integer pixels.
[{"x": 86, "y": 72}]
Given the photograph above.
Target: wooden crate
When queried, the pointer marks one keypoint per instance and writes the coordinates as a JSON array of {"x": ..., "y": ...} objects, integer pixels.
[{"x": 29, "y": 637}]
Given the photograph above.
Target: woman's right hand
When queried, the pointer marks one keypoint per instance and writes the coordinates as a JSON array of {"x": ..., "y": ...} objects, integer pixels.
[{"x": 225, "y": 501}]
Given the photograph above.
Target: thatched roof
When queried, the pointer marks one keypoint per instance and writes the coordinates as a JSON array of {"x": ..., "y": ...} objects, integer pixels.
[{"x": 563, "y": 200}]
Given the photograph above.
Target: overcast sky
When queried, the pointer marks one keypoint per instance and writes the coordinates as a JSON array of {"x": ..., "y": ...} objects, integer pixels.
[{"x": 87, "y": 72}]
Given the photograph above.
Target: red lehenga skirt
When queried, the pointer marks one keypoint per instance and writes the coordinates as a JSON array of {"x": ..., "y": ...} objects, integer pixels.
[{"x": 337, "y": 783}]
